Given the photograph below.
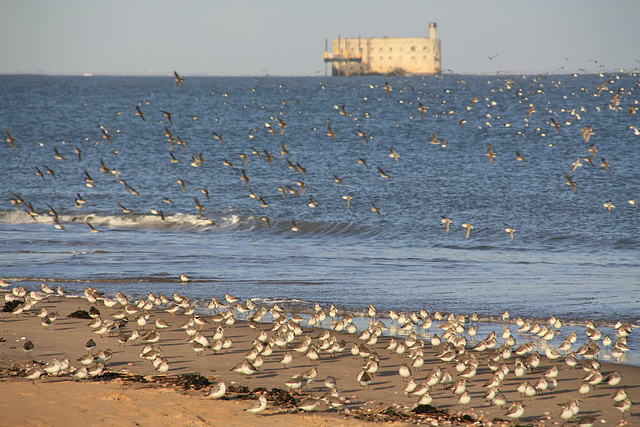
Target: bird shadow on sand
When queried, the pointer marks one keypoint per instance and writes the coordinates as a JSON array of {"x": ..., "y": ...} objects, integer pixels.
[
  {"x": 266, "y": 375},
  {"x": 384, "y": 387},
  {"x": 53, "y": 354}
]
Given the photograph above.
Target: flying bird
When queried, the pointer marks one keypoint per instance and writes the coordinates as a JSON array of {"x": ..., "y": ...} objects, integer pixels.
[
  {"x": 422, "y": 110},
  {"x": 10, "y": 139},
  {"x": 510, "y": 231},
  {"x": 447, "y": 223},
  {"x": 388, "y": 89},
  {"x": 169, "y": 116},
  {"x": 570, "y": 182},
  {"x": 587, "y": 133},
  {"x": 331, "y": 133},
  {"x": 50, "y": 172},
  {"x": 140, "y": 113},
  {"x": 39, "y": 173},
  {"x": 383, "y": 174},
  {"x": 469, "y": 227},
  {"x": 58, "y": 156},
  {"x": 491, "y": 154},
  {"x": 282, "y": 125},
  {"x": 178, "y": 79},
  {"x": 609, "y": 205},
  {"x": 394, "y": 155},
  {"x": 124, "y": 210},
  {"x": 218, "y": 137},
  {"x": 576, "y": 164},
  {"x": 92, "y": 228}
]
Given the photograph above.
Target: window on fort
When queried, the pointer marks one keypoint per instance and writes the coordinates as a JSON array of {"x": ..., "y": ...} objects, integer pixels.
[{"x": 413, "y": 48}]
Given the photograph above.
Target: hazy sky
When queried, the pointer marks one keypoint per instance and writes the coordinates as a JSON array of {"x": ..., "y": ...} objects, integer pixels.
[{"x": 287, "y": 37}]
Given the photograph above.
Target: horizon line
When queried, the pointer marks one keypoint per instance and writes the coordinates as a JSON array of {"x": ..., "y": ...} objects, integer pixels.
[{"x": 202, "y": 75}]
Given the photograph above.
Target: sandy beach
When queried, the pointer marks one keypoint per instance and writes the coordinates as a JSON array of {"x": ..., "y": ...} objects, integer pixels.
[{"x": 130, "y": 390}]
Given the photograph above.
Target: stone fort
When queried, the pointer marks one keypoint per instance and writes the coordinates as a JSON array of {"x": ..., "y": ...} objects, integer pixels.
[{"x": 385, "y": 55}]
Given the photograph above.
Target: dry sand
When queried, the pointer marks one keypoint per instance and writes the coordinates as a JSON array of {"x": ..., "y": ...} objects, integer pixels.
[{"x": 146, "y": 397}]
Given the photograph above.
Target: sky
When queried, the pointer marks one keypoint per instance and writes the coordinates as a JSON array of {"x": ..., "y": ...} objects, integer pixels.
[{"x": 287, "y": 37}]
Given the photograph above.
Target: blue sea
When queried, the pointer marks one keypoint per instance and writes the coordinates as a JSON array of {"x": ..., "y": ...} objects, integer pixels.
[{"x": 495, "y": 152}]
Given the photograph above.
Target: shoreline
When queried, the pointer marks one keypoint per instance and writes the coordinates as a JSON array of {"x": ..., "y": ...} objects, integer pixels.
[{"x": 66, "y": 337}]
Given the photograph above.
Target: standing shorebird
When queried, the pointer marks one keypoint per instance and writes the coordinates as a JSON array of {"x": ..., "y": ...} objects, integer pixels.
[
  {"x": 218, "y": 391},
  {"x": 404, "y": 372},
  {"x": 515, "y": 411},
  {"x": 258, "y": 406},
  {"x": 465, "y": 399},
  {"x": 33, "y": 373},
  {"x": 28, "y": 347},
  {"x": 286, "y": 359}
]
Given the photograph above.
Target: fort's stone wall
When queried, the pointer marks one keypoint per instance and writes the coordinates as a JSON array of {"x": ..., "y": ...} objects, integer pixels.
[{"x": 388, "y": 55}]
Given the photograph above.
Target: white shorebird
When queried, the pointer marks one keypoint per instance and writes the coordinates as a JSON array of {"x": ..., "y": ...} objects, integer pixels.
[
  {"x": 258, "y": 406},
  {"x": 515, "y": 411},
  {"x": 217, "y": 391}
]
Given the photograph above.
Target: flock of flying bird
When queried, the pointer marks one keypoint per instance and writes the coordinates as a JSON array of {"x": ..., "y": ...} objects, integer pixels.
[
  {"x": 287, "y": 337},
  {"x": 299, "y": 187},
  {"x": 455, "y": 355}
]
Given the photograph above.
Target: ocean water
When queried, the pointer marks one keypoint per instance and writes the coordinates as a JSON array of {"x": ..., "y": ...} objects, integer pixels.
[{"x": 569, "y": 258}]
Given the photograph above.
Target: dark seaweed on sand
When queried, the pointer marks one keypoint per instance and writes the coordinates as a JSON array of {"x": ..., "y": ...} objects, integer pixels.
[
  {"x": 430, "y": 410},
  {"x": 385, "y": 414},
  {"x": 112, "y": 375},
  {"x": 281, "y": 397},
  {"x": 466, "y": 418},
  {"x": 238, "y": 389},
  {"x": 278, "y": 396},
  {"x": 80, "y": 314},
  {"x": 9, "y": 306},
  {"x": 192, "y": 381}
]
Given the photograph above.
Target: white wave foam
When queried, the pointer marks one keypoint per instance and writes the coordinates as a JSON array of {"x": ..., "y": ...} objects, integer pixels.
[{"x": 177, "y": 222}]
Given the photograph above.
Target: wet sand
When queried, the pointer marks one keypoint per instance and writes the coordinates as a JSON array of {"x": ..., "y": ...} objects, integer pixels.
[{"x": 131, "y": 391}]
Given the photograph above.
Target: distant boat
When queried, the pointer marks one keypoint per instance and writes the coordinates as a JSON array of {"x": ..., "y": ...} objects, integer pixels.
[{"x": 87, "y": 74}]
